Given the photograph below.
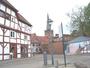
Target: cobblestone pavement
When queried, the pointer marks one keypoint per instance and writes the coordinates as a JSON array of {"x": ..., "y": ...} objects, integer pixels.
[{"x": 37, "y": 62}]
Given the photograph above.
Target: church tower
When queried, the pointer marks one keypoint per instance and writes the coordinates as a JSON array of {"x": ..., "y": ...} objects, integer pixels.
[{"x": 48, "y": 30}]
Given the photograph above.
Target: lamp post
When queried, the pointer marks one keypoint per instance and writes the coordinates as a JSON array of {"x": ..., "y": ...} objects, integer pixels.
[
  {"x": 63, "y": 45},
  {"x": 49, "y": 23}
]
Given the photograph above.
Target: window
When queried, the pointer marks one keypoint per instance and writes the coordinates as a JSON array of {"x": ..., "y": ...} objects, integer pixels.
[
  {"x": 2, "y": 7},
  {"x": 25, "y": 37},
  {"x": 12, "y": 34},
  {"x": 12, "y": 19}
]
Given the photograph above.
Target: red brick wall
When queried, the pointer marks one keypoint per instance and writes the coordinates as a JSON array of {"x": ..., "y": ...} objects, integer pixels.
[{"x": 58, "y": 47}]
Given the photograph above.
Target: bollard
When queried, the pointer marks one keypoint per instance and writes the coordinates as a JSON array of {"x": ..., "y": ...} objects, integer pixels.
[{"x": 45, "y": 57}]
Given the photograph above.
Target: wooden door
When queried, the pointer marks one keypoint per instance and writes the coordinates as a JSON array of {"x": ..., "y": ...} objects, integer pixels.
[
  {"x": 13, "y": 49},
  {"x": 24, "y": 51}
]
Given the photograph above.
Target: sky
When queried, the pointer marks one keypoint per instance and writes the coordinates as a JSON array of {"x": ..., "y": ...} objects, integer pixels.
[{"x": 35, "y": 11}]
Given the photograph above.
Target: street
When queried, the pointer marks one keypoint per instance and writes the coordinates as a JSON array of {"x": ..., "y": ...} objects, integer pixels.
[{"x": 37, "y": 61}]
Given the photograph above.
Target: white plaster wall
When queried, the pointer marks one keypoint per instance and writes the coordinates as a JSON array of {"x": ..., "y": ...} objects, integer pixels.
[
  {"x": 6, "y": 57},
  {"x": 1, "y": 20},
  {"x": 28, "y": 37},
  {"x": 1, "y": 32},
  {"x": 16, "y": 26},
  {"x": 13, "y": 13},
  {"x": 0, "y": 57},
  {"x": 8, "y": 10},
  {"x": 20, "y": 23},
  {"x": 18, "y": 55},
  {"x": 13, "y": 40},
  {"x": 18, "y": 48},
  {"x": 6, "y": 39},
  {"x": 1, "y": 39},
  {"x": 7, "y": 23},
  {"x": 23, "y": 25},
  {"x": 22, "y": 36},
  {"x": 18, "y": 35},
  {"x": 22, "y": 41},
  {"x": 0, "y": 49},
  {"x": 7, "y": 33},
  {"x": 12, "y": 24},
  {"x": 18, "y": 40},
  {"x": 6, "y": 49},
  {"x": 26, "y": 42},
  {"x": 16, "y": 21},
  {"x": 23, "y": 29},
  {"x": 73, "y": 48}
]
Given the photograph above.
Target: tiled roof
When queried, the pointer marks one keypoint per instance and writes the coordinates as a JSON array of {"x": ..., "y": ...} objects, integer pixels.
[
  {"x": 34, "y": 38},
  {"x": 39, "y": 39},
  {"x": 43, "y": 39},
  {"x": 80, "y": 39},
  {"x": 9, "y": 5},
  {"x": 21, "y": 18}
]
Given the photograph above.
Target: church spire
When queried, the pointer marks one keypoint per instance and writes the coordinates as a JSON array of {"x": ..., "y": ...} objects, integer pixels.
[{"x": 49, "y": 22}]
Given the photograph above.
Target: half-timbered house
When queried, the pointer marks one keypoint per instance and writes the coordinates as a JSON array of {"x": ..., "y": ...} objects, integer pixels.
[{"x": 14, "y": 33}]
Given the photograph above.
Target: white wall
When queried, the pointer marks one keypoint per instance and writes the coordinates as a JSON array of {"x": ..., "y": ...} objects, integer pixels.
[
  {"x": 0, "y": 49},
  {"x": 1, "y": 39},
  {"x": 18, "y": 48},
  {"x": 6, "y": 57},
  {"x": 6, "y": 49},
  {"x": 73, "y": 48},
  {"x": 1, "y": 32},
  {"x": 13, "y": 40},
  {"x": 6, "y": 39},
  {"x": 12, "y": 24},
  {"x": 18, "y": 55},
  {"x": 7, "y": 23},
  {"x": 18, "y": 40},
  {"x": 7, "y": 33},
  {"x": 22, "y": 41},
  {"x": 8, "y": 10},
  {"x": 1, "y": 20}
]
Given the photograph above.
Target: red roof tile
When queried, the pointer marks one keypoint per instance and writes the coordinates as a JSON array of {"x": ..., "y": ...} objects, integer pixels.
[{"x": 39, "y": 39}]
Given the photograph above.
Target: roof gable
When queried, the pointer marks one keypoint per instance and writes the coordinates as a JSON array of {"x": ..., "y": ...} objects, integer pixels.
[
  {"x": 22, "y": 19},
  {"x": 80, "y": 39}
]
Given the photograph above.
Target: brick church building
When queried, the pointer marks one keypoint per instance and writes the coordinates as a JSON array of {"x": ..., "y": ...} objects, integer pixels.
[{"x": 49, "y": 42}]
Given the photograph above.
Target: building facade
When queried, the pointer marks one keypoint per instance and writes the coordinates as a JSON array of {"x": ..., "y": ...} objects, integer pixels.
[{"x": 14, "y": 33}]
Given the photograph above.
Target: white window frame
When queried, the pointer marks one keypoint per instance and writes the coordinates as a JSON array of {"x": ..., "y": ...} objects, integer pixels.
[{"x": 12, "y": 34}]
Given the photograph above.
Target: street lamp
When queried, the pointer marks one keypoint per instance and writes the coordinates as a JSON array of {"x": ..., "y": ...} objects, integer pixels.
[{"x": 49, "y": 23}]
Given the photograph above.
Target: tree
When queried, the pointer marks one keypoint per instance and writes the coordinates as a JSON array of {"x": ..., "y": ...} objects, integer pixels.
[{"x": 80, "y": 21}]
